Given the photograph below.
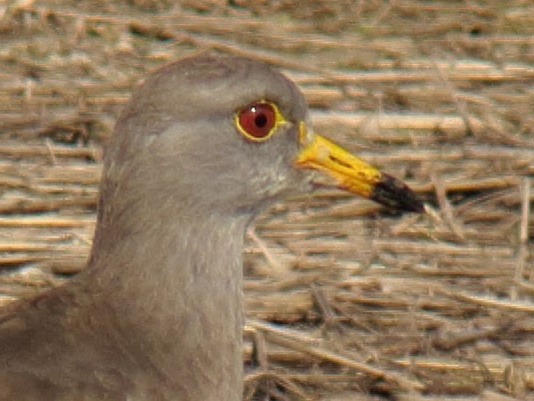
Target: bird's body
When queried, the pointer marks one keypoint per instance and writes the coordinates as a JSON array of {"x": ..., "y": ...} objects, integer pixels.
[
  {"x": 157, "y": 314},
  {"x": 130, "y": 339}
]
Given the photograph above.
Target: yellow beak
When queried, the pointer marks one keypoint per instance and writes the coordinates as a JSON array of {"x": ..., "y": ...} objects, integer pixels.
[{"x": 353, "y": 174}]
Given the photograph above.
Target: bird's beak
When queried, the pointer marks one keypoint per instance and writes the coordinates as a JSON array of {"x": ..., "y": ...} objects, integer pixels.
[{"x": 353, "y": 174}]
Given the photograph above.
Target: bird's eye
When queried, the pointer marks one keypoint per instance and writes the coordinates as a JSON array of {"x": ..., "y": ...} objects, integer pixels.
[{"x": 258, "y": 121}]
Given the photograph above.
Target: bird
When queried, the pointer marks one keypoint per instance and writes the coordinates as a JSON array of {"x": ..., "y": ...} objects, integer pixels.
[{"x": 201, "y": 148}]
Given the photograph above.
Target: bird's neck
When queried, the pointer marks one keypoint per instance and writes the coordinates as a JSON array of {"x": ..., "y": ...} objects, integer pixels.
[{"x": 176, "y": 282}]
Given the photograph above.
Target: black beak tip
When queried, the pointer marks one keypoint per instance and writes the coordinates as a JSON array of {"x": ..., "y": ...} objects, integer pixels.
[{"x": 395, "y": 194}]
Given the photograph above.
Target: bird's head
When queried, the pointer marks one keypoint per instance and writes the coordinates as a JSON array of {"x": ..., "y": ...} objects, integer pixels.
[{"x": 229, "y": 135}]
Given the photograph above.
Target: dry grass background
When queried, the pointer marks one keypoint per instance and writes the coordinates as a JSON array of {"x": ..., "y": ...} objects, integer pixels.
[{"x": 345, "y": 300}]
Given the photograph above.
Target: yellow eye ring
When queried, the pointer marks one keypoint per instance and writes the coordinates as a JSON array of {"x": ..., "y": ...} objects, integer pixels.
[{"x": 258, "y": 121}]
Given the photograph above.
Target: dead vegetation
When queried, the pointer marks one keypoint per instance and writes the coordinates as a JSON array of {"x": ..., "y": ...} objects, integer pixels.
[{"x": 345, "y": 301}]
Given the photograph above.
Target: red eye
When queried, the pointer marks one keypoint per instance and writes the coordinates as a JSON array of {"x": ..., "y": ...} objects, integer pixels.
[{"x": 256, "y": 121}]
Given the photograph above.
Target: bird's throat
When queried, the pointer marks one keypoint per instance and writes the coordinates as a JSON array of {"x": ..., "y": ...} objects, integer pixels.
[{"x": 178, "y": 287}]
